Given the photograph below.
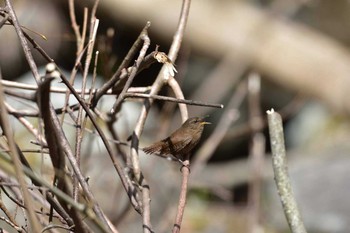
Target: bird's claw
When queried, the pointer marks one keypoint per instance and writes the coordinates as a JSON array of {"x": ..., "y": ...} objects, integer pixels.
[{"x": 185, "y": 164}]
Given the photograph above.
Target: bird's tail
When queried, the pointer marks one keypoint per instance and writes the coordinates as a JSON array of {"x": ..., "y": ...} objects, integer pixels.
[{"x": 153, "y": 149}]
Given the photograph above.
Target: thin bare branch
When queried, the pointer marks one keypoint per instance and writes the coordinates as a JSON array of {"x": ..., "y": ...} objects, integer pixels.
[
  {"x": 4, "y": 209},
  {"x": 78, "y": 206},
  {"x": 79, "y": 128},
  {"x": 185, "y": 170},
  {"x": 6, "y": 127},
  {"x": 27, "y": 124},
  {"x": 71, "y": 81},
  {"x": 56, "y": 149},
  {"x": 171, "y": 99},
  {"x": 180, "y": 96},
  {"x": 115, "y": 77},
  {"x": 75, "y": 26},
  {"x": 12, "y": 224},
  {"x": 64, "y": 144},
  {"x": 180, "y": 31},
  {"x": 3, "y": 21},
  {"x": 129, "y": 188},
  {"x": 146, "y": 43},
  {"x": 280, "y": 168},
  {"x": 173, "y": 52},
  {"x": 24, "y": 86}
]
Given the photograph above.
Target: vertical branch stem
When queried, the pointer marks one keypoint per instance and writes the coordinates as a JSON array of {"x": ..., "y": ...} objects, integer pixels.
[
  {"x": 183, "y": 196},
  {"x": 179, "y": 95},
  {"x": 279, "y": 163},
  {"x": 134, "y": 69},
  {"x": 5, "y": 125},
  {"x": 174, "y": 50},
  {"x": 75, "y": 26},
  {"x": 176, "y": 44},
  {"x": 79, "y": 129},
  {"x": 124, "y": 64},
  {"x": 162, "y": 78}
]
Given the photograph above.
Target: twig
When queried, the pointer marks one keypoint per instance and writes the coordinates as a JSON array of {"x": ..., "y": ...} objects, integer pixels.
[
  {"x": 24, "y": 86},
  {"x": 134, "y": 156},
  {"x": 115, "y": 77},
  {"x": 180, "y": 96},
  {"x": 71, "y": 81},
  {"x": 21, "y": 95},
  {"x": 3, "y": 21},
  {"x": 146, "y": 43},
  {"x": 163, "y": 77},
  {"x": 4, "y": 209},
  {"x": 173, "y": 53},
  {"x": 18, "y": 201},
  {"x": 174, "y": 49},
  {"x": 93, "y": 12},
  {"x": 62, "y": 140},
  {"x": 27, "y": 125},
  {"x": 35, "y": 113},
  {"x": 280, "y": 168},
  {"x": 70, "y": 155},
  {"x": 133, "y": 92},
  {"x": 30, "y": 187},
  {"x": 168, "y": 110},
  {"x": 56, "y": 149},
  {"x": 53, "y": 202},
  {"x": 147, "y": 62},
  {"x": 79, "y": 131},
  {"x": 54, "y": 226},
  {"x": 94, "y": 76},
  {"x": 185, "y": 170},
  {"x": 12, "y": 224},
  {"x": 36, "y": 75},
  {"x": 93, "y": 34},
  {"x": 40, "y": 151},
  {"x": 177, "y": 40},
  {"x": 75, "y": 26},
  {"x": 6, "y": 128},
  {"x": 76, "y": 205},
  {"x": 130, "y": 190},
  {"x": 79, "y": 53},
  {"x": 171, "y": 99}
]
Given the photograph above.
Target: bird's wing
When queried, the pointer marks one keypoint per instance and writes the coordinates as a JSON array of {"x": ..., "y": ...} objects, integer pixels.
[{"x": 175, "y": 147}]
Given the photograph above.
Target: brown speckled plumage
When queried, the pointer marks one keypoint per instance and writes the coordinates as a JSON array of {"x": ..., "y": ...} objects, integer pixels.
[{"x": 180, "y": 142}]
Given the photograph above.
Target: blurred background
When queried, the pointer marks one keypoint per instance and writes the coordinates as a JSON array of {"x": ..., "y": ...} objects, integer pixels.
[{"x": 251, "y": 56}]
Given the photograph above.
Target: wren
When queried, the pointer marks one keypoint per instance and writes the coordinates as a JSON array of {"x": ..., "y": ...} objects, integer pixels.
[{"x": 181, "y": 142}]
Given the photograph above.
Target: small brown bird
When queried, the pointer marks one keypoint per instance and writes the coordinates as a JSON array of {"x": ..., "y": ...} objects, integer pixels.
[{"x": 180, "y": 142}]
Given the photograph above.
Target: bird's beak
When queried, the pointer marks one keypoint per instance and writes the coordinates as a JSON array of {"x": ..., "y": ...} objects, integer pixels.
[{"x": 205, "y": 122}]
